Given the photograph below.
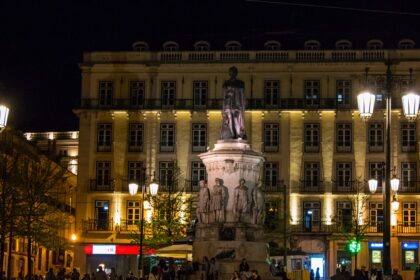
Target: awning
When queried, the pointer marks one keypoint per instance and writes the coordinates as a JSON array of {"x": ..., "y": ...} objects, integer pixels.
[{"x": 177, "y": 251}]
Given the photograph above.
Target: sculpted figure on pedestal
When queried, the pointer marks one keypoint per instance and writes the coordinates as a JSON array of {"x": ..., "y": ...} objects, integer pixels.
[
  {"x": 240, "y": 201},
  {"x": 233, "y": 113},
  {"x": 203, "y": 209},
  {"x": 218, "y": 201},
  {"x": 258, "y": 205}
]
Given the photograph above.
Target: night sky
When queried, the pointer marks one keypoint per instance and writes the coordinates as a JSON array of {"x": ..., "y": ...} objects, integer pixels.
[{"x": 42, "y": 42}]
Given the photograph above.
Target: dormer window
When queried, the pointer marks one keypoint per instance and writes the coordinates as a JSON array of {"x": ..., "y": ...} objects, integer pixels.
[
  {"x": 406, "y": 44},
  {"x": 272, "y": 45},
  {"x": 375, "y": 44},
  {"x": 312, "y": 45},
  {"x": 170, "y": 46},
  {"x": 140, "y": 46},
  {"x": 233, "y": 46},
  {"x": 343, "y": 45},
  {"x": 202, "y": 46}
]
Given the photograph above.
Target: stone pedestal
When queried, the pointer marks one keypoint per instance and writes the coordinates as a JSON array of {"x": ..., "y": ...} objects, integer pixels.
[{"x": 232, "y": 240}]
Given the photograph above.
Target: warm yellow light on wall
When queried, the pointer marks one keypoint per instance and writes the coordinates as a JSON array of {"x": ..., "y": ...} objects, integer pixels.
[
  {"x": 393, "y": 219},
  {"x": 294, "y": 204},
  {"x": 28, "y": 136},
  {"x": 148, "y": 211},
  {"x": 74, "y": 135},
  {"x": 117, "y": 213},
  {"x": 51, "y": 135},
  {"x": 328, "y": 209},
  {"x": 73, "y": 237}
]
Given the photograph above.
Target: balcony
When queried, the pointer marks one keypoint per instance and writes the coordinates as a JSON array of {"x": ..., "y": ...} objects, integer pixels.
[
  {"x": 273, "y": 186},
  {"x": 344, "y": 186},
  {"x": 408, "y": 146},
  {"x": 311, "y": 146},
  {"x": 103, "y": 185},
  {"x": 98, "y": 225},
  {"x": 311, "y": 187},
  {"x": 409, "y": 187},
  {"x": 408, "y": 228},
  {"x": 216, "y": 104},
  {"x": 314, "y": 227},
  {"x": 376, "y": 146}
]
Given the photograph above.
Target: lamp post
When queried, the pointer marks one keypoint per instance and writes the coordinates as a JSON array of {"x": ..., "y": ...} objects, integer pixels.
[
  {"x": 132, "y": 189},
  {"x": 366, "y": 103}
]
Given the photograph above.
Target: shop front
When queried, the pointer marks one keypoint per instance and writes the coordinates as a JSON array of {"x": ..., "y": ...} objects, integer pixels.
[
  {"x": 409, "y": 255},
  {"x": 375, "y": 255},
  {"x": 124, "y": 258}
]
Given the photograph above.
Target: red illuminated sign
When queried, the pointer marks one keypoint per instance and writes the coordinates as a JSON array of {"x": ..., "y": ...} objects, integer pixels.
[{"x": 115, "y": 249}]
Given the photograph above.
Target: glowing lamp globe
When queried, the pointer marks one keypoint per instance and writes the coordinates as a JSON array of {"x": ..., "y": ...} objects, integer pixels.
[
  {"x": 4, "y": 114},
  {"x": 410, "y": 103},
  {"x": 153, "y": 187},
  {"x": 133, "y": 188},
  {"x": 395, "y": 183},
  {"x": 366, "y": 103},
  {"x": 373, "y": 185}
]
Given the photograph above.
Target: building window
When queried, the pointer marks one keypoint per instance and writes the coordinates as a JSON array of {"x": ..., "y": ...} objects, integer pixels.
[
  {"x": 272, "y": 45},
  {"x": 167, "y": 137},
  {"x": 408, "y": 176},
  {"x": 312, "y": 92},
  {"x": 408, "y": 137},
  {"x": 312, "y": 138},
  {"x": 344, "y": 215},
  {"x": 344, "y": 137},
  {"x": 198, "y": 173},
  {"x": 200, "y": 90},
  {"x": 376, "y": 216},
  {"x": 166, "y": 175},
  {"x": 343, "y": 92},
  {"x": 233, "y": 46},
  {"x": 105, "y": 93},
  {"x": 133, "y": 212},
  {"x": 271, "y": 137},
  {"x": 312, "y": 216},
  {"x": 377, "y": 171},
  {"x": 376, "y": 137},
  {"x": 312, "y": 45},
  {"x": 199, "y": 137},
  {"x": 374, "y": 44},
  {"x": 344, "y": 177},
  {"x": 406, "y": 44},
  {"x": 135, "y": 172},
  {"x": 409, "y": 214},
  {"x": 135, "y": 140},
  {"x": 272, "y": 93},
  {"x": 201, "y": 46},
  {"x": 170, "y": 46},
  {"x": 168, "y": 93},
  {"x": 137, "y": 93},
  {"x": 103, "y": 175},
  {"x": 271, "y": 176},
  {"x": 311, "y": 180},
  {"x": 102, "y": 214},
  {"x": 103, "y": 143}
]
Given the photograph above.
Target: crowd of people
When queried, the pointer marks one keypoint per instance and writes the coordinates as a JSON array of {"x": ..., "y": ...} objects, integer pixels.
[{"x": 364, "y": 274}]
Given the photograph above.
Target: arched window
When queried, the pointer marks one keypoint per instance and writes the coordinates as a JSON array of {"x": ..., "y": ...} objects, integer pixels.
[
  {"x": 140, "y": 46},
  {"x": 272, "y": 45},
  {"x": 374, "y": 44},
  {"x": 406, "y": 44},
  {"x": 233, "y": 46},
  {"x": 312, "y": 45},
  {"x": 343, "y": 45},
  {"x": 170, "y": 46},
  {"x": 202, "y": 46}
]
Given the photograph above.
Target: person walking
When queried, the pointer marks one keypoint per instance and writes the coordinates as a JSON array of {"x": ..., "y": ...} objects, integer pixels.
[
  {"x": 100, "y": 274},
  {"x": 395, "y": 275},
  {"x": 50, "y": 275},
  {"x": 317, "y": 275}
]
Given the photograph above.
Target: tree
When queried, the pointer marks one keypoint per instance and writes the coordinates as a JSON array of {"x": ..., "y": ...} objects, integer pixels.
[
  {"x": 353, "y": 228},
  {"x": 40, "y": 220},
  {"x": 170, "y": 216}
]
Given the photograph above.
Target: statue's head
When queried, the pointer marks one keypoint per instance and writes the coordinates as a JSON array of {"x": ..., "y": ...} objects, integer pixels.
[
  {"x": 233, "y": 72},
  {"x": 242, "y": 181},
  {"x": 202, "y": 183}
]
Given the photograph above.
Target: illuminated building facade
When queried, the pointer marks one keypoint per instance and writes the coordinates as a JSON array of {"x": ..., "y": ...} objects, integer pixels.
[{"x": 150, "y": 109}]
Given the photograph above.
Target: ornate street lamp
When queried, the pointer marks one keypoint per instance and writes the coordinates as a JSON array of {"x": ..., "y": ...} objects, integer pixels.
[
  {"x": 373, "y": 185},
  {"x": 153, "y": 190},
  {"x": 411, "y": 107}
]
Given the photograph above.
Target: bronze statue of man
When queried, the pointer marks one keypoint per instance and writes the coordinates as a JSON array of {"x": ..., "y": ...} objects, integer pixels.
[{"x": 233, "y": 113}]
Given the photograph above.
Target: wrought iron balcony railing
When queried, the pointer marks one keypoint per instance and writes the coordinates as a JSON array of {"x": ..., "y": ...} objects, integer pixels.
[
  {"x": 311, "y": 186},
  {"x": 105, "y": 185},
  {"x": 344, "y": 186},
  {"x": 98, "y": 225}
]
